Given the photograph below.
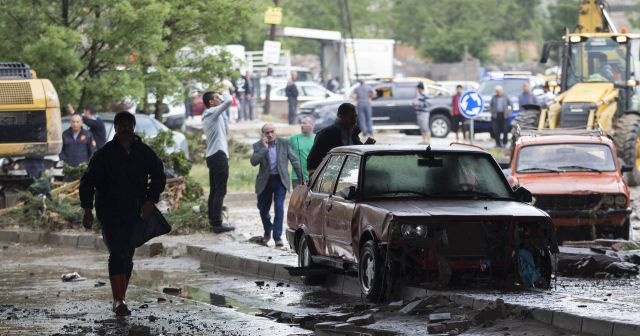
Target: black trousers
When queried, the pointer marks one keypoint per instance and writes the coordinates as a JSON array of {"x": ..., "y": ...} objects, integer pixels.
[
  {"x": 500, "y": 127},
  {"x": 116, "y": 233},
  {"x": 218, "y": 165}
]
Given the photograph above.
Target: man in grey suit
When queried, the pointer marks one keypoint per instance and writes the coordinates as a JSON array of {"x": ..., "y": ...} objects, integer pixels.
[{"x": 273, "y": 182}]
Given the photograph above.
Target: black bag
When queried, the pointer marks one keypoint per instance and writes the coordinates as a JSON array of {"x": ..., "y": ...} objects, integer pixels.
[{"x": 146, "y": 229}]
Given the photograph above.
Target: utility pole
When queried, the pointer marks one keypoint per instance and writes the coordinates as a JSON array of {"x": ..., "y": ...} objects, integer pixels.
[{"x": 269, "y": 79}]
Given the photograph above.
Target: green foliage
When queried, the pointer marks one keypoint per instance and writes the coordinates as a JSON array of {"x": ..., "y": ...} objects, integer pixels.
[
  {"x": 193, "y": 190},
  {"x": 84, "y": 46},
  {"x": 175, "y": 161},
  {"x": 184, "y": 220},
  {"x": 197, "y": 146},
  {"x": 74, "y": 173},
  {"x": 48, "y": 214}
]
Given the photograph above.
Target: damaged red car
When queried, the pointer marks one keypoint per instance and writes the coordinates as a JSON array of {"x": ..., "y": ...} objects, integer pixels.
[{"x": 396, "y": 214}]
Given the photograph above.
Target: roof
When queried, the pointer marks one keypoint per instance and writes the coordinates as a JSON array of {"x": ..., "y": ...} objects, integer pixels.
[
  {"x": 371, "y": 149},
  {"x": 563, "y": 139}
]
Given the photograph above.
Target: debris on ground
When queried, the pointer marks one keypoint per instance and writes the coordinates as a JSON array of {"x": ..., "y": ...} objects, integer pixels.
[
  {"x": 171, "y": 290},
  {"x": 99, "y": 284},
  {"x": 72, "y": 277},
  {"x": 600, "y": 261}
]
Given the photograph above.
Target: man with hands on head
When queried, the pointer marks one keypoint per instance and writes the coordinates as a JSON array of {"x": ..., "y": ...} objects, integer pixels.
[{"x": 272, "y": 183}]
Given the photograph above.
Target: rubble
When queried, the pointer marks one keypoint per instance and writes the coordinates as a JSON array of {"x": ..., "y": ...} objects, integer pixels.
[
  {"x": 361, "y": 320},
  {"x": 72, "y": 277}
]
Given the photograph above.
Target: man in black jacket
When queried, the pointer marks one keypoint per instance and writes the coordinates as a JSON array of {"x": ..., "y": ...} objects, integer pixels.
[
  {"x": 343, "y": 132},
  {"x": 77, "y": 143},
  {"x": 127, "y": 178},
  {"x": 94, "y": 122}
]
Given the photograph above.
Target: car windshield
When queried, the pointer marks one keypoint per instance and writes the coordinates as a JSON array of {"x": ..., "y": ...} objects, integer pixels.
[
  {"x": 565, "y": 157},
  {"x": 442, "y": 175},
  {"x": 598, "y": 59},
  {"x": 512, "y": 86}
]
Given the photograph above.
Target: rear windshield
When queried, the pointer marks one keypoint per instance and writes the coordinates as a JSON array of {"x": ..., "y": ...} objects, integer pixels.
[
  {"x": 565, "y": 157},
  {"x": 455, "y": 175}
]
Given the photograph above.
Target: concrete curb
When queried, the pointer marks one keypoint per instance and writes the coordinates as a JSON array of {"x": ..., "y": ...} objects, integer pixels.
[
  {"x": 86, "y": 241},
  {"x": 212, "y": 259}
]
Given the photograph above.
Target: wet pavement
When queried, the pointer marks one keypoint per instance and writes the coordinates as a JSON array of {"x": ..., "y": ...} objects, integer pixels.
[{"x": 34, "y": 300}]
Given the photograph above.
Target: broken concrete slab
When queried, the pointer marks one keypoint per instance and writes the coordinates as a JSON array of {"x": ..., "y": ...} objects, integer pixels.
[
  {"x": 361, "y": 320},
  {"x": 412, "y": 307},
  {"x": 439, "y": 317}
]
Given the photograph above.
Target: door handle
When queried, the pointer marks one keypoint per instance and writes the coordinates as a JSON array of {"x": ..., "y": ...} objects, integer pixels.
[{"x": 328, "y": 206}]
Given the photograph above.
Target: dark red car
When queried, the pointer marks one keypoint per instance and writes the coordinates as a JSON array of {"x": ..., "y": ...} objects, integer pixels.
[{"x": 417, "y": 214}]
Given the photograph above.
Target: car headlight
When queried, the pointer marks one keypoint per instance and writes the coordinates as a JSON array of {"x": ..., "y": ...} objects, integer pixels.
[
  {"x": 621, "y": 200},
  {"x": 413, "y": 230},
  {"x": 608, "y": 200},
  {"x": 16, "y": 166},
  {"x": 59, "y": 164}
]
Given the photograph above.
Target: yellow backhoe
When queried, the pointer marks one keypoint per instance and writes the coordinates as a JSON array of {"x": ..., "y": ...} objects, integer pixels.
[{"x": 598, "y": 84}]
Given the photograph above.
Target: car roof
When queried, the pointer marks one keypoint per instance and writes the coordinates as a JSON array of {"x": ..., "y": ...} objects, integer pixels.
[
  {"x": 377, "y": 149},
  {"x": 563, "y": 139}
]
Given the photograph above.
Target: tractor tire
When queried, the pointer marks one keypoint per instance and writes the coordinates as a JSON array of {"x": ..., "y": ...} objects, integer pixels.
[
  {"x": 527, "y": 120},
  {"x": 626, "y": 132}
]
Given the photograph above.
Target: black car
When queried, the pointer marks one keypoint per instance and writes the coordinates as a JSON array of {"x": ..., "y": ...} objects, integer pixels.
[{"x": 392, "y": 107}]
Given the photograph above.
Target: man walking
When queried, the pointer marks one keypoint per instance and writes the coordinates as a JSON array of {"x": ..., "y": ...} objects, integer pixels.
[
  {"x": 291, "y": 91},
  {"x": 301, "y": 144},
  {"x": 272, "y": 183},
  {"x": 363, "y": 96},
  {"x": 343, "y": 132},
  {"x": 421, "y": 104},
  {"x": 77, "y": 143},
  {"x": 126, "y": 177},
  {"x": 500, "y": 107},
  {"x": 94, "y": 122},
  {"x": 217, "y": 155}
]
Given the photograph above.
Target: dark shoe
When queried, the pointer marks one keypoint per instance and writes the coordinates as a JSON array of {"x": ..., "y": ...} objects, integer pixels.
[
  {"x": 222, "y": 228},
  {"x": 279, "y": 243},
  {"x": 265, "y": 240},
  {"x": 122, "y": 309}
]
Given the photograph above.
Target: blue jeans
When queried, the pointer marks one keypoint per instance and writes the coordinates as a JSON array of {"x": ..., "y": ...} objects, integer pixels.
[
  {"x": 274, "y": 191},
  {"x": 365, "y": 120}
]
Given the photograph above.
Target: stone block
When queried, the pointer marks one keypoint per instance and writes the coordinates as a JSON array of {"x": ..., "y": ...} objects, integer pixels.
[
  {"x": 194, "y": 251},
  {"x": 623, "y": 329},
  {"x": 542, "y": 315},
  {"x": 208, "y": 257},
  {"x": 567, "y": 321},
  {"x": 267, "y": 269},
  {"x": 100, "y": 245},
  {"x": 31, "y": 237},
  {"x": 87, "y": 241},
  {"x": 597, "y": 327},
  {"x": 361, "y": 320},
  {"x": 250, "y": 267},
  {"x": 9, "y": 236},
  {"x": 68, "y": 239}
]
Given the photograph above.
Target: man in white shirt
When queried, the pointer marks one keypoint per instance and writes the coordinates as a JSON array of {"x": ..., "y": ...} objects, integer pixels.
[{"x": 213, "y": 124}]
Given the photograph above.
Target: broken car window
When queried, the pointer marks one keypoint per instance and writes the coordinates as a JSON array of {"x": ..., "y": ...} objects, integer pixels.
[
  {"x": 327, "y": 180},
  {"x": 565, "y": 157}
]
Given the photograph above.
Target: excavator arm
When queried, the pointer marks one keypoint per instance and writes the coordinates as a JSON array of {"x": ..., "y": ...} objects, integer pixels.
[{"x": 593, "y": 17}]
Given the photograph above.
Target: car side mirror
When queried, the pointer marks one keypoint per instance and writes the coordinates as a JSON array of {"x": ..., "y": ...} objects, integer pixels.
[
  {"x": 546, "y": 51},
  {"x": 513, "y": 182},
  {"x": 522, "y": 194},
  {"x": 625, "y": 168},
  {"x": 347, "y": 193}
]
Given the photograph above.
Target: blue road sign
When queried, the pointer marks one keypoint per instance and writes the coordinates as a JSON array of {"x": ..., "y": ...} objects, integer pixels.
[{"x": 471, "y": 104}]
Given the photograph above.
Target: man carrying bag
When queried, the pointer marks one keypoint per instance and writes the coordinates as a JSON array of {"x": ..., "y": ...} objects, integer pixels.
[{"x": 127, "y": 178}]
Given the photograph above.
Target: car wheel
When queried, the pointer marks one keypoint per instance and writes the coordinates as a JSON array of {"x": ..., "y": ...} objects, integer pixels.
[
  {"x": 440, "y": 126},
  {"x": 370, "y": 272},
  {"x": 305, "y": 260}
]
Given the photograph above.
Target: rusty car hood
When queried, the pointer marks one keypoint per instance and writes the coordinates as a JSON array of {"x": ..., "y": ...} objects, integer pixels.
[
  {"x": 572, "y": 183},
  {"x": 459, "y": 208}
]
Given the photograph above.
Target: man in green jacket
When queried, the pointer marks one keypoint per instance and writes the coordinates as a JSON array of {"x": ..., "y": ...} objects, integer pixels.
[{"x": 301, "y": 144}]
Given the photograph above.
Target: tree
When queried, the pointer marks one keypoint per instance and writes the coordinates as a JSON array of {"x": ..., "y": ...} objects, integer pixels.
[
  {"x": 106, "y": 51},
  {"x": 562, "y": 16}
]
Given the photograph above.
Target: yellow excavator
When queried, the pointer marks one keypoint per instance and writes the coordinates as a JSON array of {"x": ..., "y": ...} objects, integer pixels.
[
  {"x": 598, "y": 84},
  {"x": 30, "y": 124}
]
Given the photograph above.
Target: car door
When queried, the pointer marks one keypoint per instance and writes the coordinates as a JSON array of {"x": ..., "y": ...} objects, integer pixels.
[
  {"x": 339, "y": 212},
  {"x": 315, "y": 203},
  {"x": 403, "y": 95},
  {"x": 382, "y": 105}
]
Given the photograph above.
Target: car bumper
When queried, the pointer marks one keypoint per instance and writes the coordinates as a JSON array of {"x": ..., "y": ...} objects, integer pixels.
[{"x": 589, "y": 217}]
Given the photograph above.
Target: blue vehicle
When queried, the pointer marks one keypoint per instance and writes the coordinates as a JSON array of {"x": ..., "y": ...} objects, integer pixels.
[{"x": 512, "y": 83}]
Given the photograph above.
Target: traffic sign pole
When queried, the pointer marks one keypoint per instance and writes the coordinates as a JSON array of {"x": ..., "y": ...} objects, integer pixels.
[{"x": 471, "y": 105}]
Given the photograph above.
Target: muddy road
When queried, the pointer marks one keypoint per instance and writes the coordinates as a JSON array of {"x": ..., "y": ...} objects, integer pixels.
[{"x": 34, "y": 301}]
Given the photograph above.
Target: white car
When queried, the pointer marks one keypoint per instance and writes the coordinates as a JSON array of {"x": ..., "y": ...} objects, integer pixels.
[{"x": 307, "y": 91}]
